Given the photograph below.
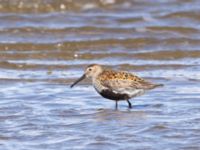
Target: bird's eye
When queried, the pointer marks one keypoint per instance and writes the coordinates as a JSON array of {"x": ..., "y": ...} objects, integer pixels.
[{"x": 90, "y": 69}]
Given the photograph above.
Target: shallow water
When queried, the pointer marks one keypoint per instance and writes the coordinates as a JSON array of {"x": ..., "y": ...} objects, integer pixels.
[{"x": 44, "y": 47}]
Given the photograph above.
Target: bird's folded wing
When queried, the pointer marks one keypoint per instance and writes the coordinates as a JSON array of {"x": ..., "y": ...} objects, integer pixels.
[{"x": 119, "y": 85}]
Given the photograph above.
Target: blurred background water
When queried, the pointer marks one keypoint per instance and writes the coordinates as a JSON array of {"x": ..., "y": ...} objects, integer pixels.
[{"x": 46, "y": 44}]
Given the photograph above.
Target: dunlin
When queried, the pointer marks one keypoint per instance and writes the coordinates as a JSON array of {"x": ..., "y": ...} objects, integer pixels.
[{"x": 116, "y": 85}]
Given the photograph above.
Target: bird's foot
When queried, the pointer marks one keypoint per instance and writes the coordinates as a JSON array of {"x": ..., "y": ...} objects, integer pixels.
[{"x": 129, "y": 104}]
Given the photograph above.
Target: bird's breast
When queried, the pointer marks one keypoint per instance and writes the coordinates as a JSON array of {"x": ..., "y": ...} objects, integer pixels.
[{"x": 98, "y": 86}]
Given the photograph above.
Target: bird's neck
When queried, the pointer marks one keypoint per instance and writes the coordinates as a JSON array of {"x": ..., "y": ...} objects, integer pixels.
[
  {"x": 96, "y": 75},
  {"x": 94, "y": 78}
]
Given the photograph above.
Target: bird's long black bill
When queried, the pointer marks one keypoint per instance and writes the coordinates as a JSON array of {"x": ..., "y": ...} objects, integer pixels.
[{"x": 77, "y": 81}]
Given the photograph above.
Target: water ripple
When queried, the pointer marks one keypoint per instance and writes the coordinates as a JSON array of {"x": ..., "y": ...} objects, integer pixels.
[{"x": 45, "y": 46}]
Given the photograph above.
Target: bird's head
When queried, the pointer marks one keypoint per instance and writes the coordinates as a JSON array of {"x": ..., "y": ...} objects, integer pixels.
[{"x": 92, "y": 71}]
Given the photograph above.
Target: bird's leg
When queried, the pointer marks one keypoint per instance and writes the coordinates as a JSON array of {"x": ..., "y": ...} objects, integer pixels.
[
  {"x": 129, "y": 104},
  {"x": 116, "y": 104}
]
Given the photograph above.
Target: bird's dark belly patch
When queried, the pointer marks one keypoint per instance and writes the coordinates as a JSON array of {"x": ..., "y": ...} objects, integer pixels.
[{"x": 113, "y": 96}]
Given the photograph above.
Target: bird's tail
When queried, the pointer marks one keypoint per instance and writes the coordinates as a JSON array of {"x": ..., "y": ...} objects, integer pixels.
[
  {"x": 157, "y": 85},
  {"x": 148, "y": 85}
]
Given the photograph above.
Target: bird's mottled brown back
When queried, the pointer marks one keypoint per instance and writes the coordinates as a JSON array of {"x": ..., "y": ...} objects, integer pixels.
[
  {"x": 114, "y": 79},
  {"x": 112, "y": 75}
]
